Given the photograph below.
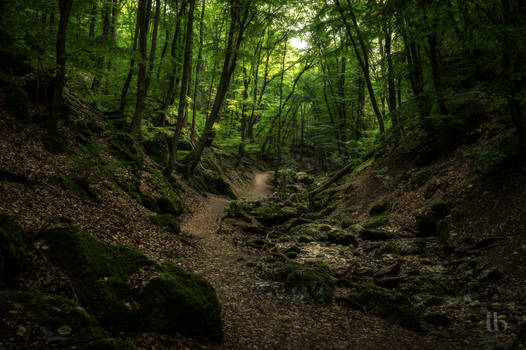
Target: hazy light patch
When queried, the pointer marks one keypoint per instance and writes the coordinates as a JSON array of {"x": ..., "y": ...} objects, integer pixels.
[{"x": 298, "y": 43}]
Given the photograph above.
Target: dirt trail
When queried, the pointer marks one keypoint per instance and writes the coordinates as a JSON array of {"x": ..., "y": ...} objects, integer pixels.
[{"x": 255, "y": 320}]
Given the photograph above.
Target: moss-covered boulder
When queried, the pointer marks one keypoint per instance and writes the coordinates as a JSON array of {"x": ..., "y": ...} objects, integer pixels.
[
  {"x": 157, "y": 148},
  {"x": 104, "y": 278},
  {"x": 167, "y": 222},
  {"x": 62, "y": 324},
  {"x": 303, "y": 282},
  {"x": 324, "y": 233},
  {"x": 238, "y": 209},
  {"x": 124, "y": 147},
  {"x": 79, "y": 187},
  {"x": 304, "y": 178},
  {"x": 271, "y": 213},
  {"x": 99, "y": 273},
  {"x": 379, "y": 207},
  {"x": 177, "y": 301},
  {"x": 402, "y": 246},
  {"x": 17, "y": 101},
  {"x": 389, "y": 305},
  {"x": 150, "y": 202},
  {"x": 172, "y": 204},
  {"x": 14, "y": 245},
  {"x": 427, "y": 220},
  {"x": 429, "y": 289}
]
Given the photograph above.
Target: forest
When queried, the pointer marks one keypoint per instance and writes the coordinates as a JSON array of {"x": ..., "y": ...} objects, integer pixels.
[{"x": 248, "y": 174}]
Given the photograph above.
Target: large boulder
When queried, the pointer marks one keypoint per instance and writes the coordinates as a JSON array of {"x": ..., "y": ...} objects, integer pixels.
[
  {"x": 271, "y": 213},
  {"x": 427, "y": 220},
  {"x": 177, "y": 301},
  {"x": 62, "y": 324},
  {"x": 104, "y": 278},
  {"x": 172, "y": 204},
  {"x": 391, "y": 306},
  {"x": 14, "y": 245},
  {"x": 402, "y": 246},
  {"x": 303, "y": 282}
]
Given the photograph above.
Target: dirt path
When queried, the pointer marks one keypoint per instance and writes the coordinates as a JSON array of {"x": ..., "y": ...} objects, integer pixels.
[{"x": 255, "y": 320}]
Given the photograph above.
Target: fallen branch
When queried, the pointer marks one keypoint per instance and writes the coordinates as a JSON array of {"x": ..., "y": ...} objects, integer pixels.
[{"x": 337, "y": 176}]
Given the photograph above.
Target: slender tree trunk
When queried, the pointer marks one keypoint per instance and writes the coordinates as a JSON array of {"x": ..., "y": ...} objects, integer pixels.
[
  {"x": 361, "y": 106},
  {"x": 129, "y": 77},
  {"x": 105, "y": 13},
  {"x": 391, "y": 100},
  {"x": 185, "y": 82},
  {"x": 60, "y": 75},
  {"x": 173, "y": 54},
  {"x": 363, "y": 58},
  {"x": 435, "y": 70},
  {"x": 197, "y": 70},
  {"x": 143, "y": 16}
]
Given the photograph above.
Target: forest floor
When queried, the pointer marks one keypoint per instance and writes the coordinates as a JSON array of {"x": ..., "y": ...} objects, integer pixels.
[{"x": 255, "y": 320}]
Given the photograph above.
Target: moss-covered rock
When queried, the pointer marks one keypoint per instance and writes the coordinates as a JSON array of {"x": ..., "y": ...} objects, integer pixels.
[
  {"x": 389, "y": 305},
  {"x": 79, "y": 187},
  {"x": 304, "y": 178},
  {"x": 99, "y": 273},
  {"x": 172, "y": 204},
  {"x": 402, "y": 246},
  {"x": 377, "y": 221},
  {"x": 54, "y": 142},
  {"x": 14, "y": 245},
  {"x": 271, "y": 213},
  {"x": 150, "y": 202},
  {"x": 238, "y": 209},
  {"x": 62, "y": 324},
  {"x": 157, "y": 148},
  {"x": 177, "y": 301},
  {"x": 17, "y": 101},
  {"x": 124, "y": 147},
  {"x": 304, "y": 282},
  {"x": 427, "y": 220},
  {"x": 379, "y": 207},
  {"x": 324, "y": 233},
  {"x": 420, "y": 178},
  {"x": 429, "y": 289},
  {"x": 167, "y": 222},
  {"x": 292, "y": 252}
]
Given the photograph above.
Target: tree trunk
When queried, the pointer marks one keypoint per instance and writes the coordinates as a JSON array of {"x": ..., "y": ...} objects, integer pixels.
[
  {"x": 60, "y": 75},
  {"x": 129, "y": 77},
  {"x": 173, "y": 54},
  {"x": 143, "y": 16},
  {"x": 391, "y": 100},
  {"x": 187, "y": 70},
  {"x": 197, "y": 70}
]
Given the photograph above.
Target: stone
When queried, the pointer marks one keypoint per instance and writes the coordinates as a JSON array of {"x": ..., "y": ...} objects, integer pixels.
[
  {"x": 372, "y": 234},
  {"x": 14, "y": 246},
  {"x": 167, "y": 222}
]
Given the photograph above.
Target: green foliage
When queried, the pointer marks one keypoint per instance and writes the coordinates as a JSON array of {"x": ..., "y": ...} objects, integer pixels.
[
  {"x": 378, "y": 221},
  {"x": 79, "y": 187},
  {"x": 499, "y": 153},
  {"x": 167, "y": 222}
]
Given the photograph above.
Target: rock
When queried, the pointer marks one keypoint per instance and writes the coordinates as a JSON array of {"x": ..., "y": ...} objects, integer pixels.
[
  {"x": 386, "y": 304},
  {"x": 236, "y": 209},
  {"x": 177, "y": 301},
  {"x": 167, "y": 222},
  {"x": 420, "y": 178},
  {"x": 170, "y": 205},
  {"x": 291, "y": 223},
  {"x": 17, "y": 101},
  {"x": 378, "y": 221},
  {"x": 171, "y": 300},
  {"x": 14, "y": 245},
  {"x": 292, "y": 252},
  {"x": 371, "y": 234},
  {"x": 79, "y": 187},
  {"x": 303, "y": 282},
  {"x": 270, "y": 213},
  {"x": 379, "y": 207},
  {"x": 150, "y": 202},
  {"x": 304, "y": 178},
  {"x": 443, "y": 231},
  {"x": 402, "y": 246},
  {"x": 62, "y": 324},
  {"x": 324, "y": 233},
  {"x": 124, "y": 147},
  {"x": 427, "y": 220},
  {"x": 99, "y": 273},
  {"x": 429, "y": 288},
  {"x": 157, "y": 148}
]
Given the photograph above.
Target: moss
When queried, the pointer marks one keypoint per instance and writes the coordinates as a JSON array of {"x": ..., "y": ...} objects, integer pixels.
[
  {"x": 170, "y": 204},
  {"x": 501, "y": 151},
  {"x": 443, "y": 231},
  {"x": 124, "y": 147},
  {"x": 304, "y": 178},
  {"x": 304, "y": 282},
  {"x": 149, "y": 202},
  {"x": 54, "y": 143},
  {"x": 157, "y": 148},
  {"x": 378, "y": 221},
  {"x": 420, "y": 178},
  {"x": 78, "y": 187},
  {"x": 237, "y": 209},
  {"x": 292, "y": 252},
  {"x": 391, "y": 306},
  {"x": 14, "y": 245},
  {"x": 62, "y": 322},
  {"x": 167, "y": 222},
  {"x": 95, "y": 269},
  {"x": 429, "y": 289},
  {"x": 402, "y": 247},
  {"x": 271, "y": 213},
  {"x": 182, "y": 302},
  {"x": 17, "y": 101},
  {"x": 379, "y": 207},
  {"x": 431, "y": 188},
  {"x": 427, "y": 220},
  {"x": 440, "y": 207}
]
